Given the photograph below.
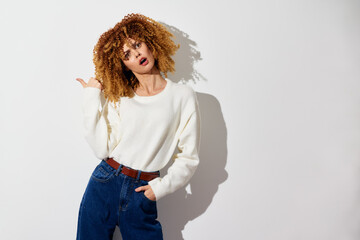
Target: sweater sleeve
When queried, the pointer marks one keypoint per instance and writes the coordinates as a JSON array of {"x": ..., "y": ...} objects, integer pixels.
[
  {"x": 186, "y": 161},
  {"x": 99, "y": 127}
]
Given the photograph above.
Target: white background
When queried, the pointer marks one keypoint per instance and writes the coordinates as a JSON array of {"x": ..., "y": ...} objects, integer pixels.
[{"x": 278, "y": 87}]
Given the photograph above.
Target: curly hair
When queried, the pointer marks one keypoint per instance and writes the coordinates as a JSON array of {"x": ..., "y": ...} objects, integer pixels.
[{"x": 108, "y": 53}]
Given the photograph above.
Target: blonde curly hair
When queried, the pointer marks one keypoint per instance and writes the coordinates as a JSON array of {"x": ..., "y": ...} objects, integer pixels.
[{"x": 108, "y": 53}]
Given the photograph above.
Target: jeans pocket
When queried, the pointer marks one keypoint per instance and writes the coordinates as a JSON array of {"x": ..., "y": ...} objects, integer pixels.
[
  {"x": 102, "y": 174},
  {"x": 148, "y": 199},
  {"x": 142, "y": 193}
]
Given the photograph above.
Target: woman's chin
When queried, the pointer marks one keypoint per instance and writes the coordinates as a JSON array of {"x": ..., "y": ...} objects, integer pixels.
[{"x": 152, "y": 69}]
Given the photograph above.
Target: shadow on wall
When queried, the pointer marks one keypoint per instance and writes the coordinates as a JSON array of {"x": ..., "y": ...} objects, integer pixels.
[
  {"x": 177, "y": 209},
  {"x": 185, "y": 58}
]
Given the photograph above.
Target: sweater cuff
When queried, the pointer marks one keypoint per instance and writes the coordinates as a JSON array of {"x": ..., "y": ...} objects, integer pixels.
[{"x": 91, "y": 100}]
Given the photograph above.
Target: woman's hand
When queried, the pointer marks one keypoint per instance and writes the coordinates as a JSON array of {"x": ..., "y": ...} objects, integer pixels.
[
  {"x": 92, "y": 83},
  {"x": 148, "y": 192}
]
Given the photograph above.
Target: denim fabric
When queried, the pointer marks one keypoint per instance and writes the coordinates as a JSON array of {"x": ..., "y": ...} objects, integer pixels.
[{"x": 109, "y": 200}]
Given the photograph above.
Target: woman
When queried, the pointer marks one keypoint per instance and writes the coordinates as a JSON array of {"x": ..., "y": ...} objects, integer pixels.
[{"x": 144, "y": 118}]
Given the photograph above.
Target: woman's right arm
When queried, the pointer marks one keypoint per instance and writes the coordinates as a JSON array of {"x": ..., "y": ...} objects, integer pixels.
[{"x": 99, "y": 127}]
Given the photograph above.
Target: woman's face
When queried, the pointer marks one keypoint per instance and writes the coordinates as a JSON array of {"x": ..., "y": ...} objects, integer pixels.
[{"x": 139, "y": 59}]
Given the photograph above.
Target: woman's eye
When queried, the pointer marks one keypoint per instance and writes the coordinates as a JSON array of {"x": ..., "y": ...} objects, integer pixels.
[{"x": 139, "y": 44}]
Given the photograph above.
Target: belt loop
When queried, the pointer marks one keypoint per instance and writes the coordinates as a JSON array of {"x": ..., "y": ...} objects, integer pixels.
[
  {"x": 138, "y": 175},
  {"x": 118, "y": 170}
]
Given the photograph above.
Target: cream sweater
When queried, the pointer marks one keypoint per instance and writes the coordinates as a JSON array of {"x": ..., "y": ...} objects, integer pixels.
[{"x": 143, "y": 132}]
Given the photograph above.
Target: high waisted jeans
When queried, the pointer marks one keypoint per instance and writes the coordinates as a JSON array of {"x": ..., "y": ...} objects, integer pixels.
[{"x": 109, "y": 200}]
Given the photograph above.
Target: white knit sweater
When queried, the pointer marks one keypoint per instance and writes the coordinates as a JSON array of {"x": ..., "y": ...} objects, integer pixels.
[{"x": 143, "y": 132}]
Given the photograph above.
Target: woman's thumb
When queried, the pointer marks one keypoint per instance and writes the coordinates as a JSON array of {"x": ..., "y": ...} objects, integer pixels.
[{"x": 83, "y": 83}]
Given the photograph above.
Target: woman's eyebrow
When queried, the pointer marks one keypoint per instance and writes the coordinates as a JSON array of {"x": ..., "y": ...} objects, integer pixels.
[{"x": 133, "y": 45}]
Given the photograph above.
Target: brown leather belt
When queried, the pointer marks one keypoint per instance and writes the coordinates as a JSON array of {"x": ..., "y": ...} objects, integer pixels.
[{"x": 147, "y": 176}]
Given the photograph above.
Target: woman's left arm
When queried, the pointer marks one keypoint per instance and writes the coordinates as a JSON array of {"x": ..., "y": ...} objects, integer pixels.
[{"x": 187, "y": 160}]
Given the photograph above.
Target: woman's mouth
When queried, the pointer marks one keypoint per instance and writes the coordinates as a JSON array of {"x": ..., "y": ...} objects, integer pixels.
[{"x": 143, "y": 61}]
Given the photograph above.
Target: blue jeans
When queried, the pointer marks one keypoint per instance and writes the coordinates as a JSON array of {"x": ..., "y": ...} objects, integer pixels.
[{"x": 109, "y": 200}]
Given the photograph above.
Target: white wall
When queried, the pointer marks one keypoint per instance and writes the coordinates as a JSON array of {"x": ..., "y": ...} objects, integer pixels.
[{"x": 278, "y": 86}]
